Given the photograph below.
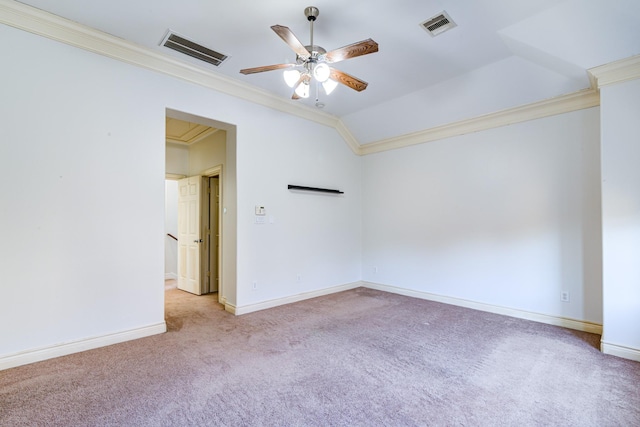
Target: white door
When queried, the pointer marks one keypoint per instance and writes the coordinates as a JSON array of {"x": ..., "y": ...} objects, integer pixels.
[{"x": 189, "y": 236}]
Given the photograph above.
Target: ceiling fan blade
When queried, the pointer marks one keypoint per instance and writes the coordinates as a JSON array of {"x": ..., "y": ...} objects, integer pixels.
[
  {"x": 266, "y": 68},
  {"x": 348, "y": 80},
  {"x": 289, "y": 38},
  {"x": 351, "y": 51}
]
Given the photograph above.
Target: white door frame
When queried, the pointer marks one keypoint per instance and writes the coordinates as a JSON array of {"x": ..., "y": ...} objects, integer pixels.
[{"x": 210, "y": 173}]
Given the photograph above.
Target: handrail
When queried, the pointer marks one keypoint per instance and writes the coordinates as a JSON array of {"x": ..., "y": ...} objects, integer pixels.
[{"x": 172, "y": 236}]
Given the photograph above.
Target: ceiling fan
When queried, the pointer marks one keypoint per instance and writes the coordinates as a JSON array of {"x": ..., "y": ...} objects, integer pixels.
[{"x": 313, "y": 62}]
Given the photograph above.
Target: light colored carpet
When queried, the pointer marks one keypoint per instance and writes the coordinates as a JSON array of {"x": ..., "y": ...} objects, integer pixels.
[{"x": 357, "y": 358}]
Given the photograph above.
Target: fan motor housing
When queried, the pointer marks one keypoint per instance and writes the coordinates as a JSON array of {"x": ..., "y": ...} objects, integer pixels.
[
  {"x": 315, "y": 50},
  {"x": 311, "y": 13}
]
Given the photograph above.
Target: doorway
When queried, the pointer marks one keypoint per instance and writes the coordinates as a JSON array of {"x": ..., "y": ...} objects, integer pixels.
[{"x": 207, "y": 150}]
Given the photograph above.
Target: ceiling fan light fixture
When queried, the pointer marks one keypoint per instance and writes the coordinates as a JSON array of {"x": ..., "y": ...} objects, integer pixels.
[
  {"x": 303, "y": 90},
  {"x": 322, "y": 72},
  {"x": 314, "y": 63},
  {"x": 329, "y": 85},
  {"x": 291, "y": 77}
]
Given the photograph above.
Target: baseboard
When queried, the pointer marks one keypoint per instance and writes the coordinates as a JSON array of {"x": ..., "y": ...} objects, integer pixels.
[
  {"x": 250, "y": 308},
  {"x": 579, "y": 325},
  {"x": 170, "y": 276},
  {"x": 37, "y": 355},
  {"x": 620, "y": 351},
  {"x": 230, "y": 308}
]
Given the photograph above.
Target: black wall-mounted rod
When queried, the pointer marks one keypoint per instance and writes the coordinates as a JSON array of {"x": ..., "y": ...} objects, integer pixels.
[{"x": 321, "y": 190}]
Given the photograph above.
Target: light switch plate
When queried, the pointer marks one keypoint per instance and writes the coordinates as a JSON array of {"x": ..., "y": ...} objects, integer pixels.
[{"x": 260, "y": 210}]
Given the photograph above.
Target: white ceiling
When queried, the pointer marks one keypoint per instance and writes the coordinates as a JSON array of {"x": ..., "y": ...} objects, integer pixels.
[
  {"x": 182, "y": 132},
  {"x": 502, "y": 54}
]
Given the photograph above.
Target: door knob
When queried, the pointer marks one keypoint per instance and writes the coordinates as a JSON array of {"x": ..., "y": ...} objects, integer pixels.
[{"x": 197, "y": 241}]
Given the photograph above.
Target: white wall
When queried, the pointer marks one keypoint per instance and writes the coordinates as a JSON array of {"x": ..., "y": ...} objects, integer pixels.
[
  {"x": 83, "y": 198},
  {"x": 316, "y": 236},
  {"x": 209, "y": 152},
  {"x": 508, "y": 217},
  {"x": 83, "y": 213},
  {"x": 620, "y": 105},
  {"x": 177, "y": 159}
]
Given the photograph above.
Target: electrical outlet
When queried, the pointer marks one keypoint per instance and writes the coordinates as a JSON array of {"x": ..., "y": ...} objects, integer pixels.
[
  {"x": 564, "y": 296},
  {"x": 255, "y": 285},
  {"x": 299, "y": 277},
  {"x": 375, "y": 270}
]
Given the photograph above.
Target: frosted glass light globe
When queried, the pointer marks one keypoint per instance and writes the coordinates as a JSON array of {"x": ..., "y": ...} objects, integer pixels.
[
  {"x": 303, "y": 90},
  {"x": 322, "y": 72},
  {"x": 291, "y": 77},
  {"x": 329, "y": 86}
]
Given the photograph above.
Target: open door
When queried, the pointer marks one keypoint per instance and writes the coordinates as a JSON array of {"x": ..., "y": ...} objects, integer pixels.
[{"x": 190, "y": 238}]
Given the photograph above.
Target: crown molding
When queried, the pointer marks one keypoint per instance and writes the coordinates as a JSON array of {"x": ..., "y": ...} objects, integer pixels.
[
  {"x": 616, "y": 72},
  {"x": 348, "y": 137},
  {"x": 562, "y": 104},
  {"x": 174, "y": 176},
  {"x": 56, "y": 28},
  {"x": 190, "y": 141}
]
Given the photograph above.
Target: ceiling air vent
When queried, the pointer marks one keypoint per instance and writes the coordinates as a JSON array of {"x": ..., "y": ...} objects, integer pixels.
[
  {"x": 183, "y": 45},
  {"x": 438, "y": 24}
]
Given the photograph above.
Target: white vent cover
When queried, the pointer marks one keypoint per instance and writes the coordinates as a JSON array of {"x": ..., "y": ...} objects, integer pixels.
[
  {"x": 188, "y": 47},
  {"x": 438, "y": 24}
]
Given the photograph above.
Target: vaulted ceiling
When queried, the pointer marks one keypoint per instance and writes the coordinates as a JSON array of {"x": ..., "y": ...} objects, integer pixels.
[{"x": 502, "y": 53}]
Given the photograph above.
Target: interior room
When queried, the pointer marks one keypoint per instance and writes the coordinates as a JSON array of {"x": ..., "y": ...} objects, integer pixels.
[{"x": 482, "y": 154}]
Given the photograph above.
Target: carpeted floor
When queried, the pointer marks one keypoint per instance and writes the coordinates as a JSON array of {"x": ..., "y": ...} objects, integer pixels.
[{"x": 357, "y": 358}]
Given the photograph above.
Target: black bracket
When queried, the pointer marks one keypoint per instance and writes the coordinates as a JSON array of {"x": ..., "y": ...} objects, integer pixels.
[{"x": 321, "y": 190}]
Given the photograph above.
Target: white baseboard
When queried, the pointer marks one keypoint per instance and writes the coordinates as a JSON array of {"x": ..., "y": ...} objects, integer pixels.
[
  {"x": 37, "y": 355},
  {"x": 170, "y": 276},
  {"x": 620, "y": 351},
  {"x": 579, "y": 325},
  {"x": 250, "y": 308}
]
